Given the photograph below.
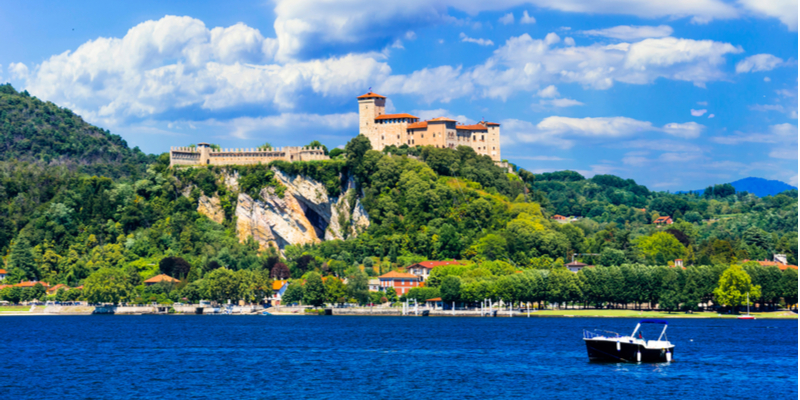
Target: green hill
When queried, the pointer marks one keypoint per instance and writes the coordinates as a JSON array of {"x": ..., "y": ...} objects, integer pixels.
[{"x": 37, "y": 131}]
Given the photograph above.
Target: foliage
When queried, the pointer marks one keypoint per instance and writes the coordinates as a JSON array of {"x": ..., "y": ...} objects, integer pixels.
[
  {"x": 315, "y": 292},
  {"x": 734, "y": 287},
  {"x": 107, "y": 285}
]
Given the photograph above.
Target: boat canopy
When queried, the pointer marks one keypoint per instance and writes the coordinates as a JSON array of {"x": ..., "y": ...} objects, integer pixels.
[{"x": 653, "y": 321}]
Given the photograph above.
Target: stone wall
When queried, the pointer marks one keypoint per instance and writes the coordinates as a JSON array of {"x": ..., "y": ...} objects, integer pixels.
[{"x": 208, "y": 156}]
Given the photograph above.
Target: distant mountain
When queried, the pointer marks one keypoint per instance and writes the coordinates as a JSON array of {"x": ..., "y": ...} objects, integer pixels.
[
  {"x": 761, "y": 187},
  {"x": 36, "y": 131},
  {"x": 758, "y": 186}
]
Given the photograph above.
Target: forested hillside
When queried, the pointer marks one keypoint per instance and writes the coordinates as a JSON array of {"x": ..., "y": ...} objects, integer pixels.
[
  {"x": 83, "y": 209},
  {"x": 35, "y": 131}
]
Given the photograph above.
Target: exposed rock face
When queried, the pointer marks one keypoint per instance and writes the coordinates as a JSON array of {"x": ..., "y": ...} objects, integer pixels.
[
  {"x": 211, "y": 208},
  {"x": 305, "y": 214}
]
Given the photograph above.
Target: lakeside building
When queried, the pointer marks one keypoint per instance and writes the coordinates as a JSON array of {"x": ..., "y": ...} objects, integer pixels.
[
  {"x": 374, "y": 285},
  {"x": 2, "y": 274},
  {"x": 423, "y": 269},
  {"x": 398, "y": 129},
  {"x": 160, "y": 278},
  {"x": 203, "y": 154},
  {"x": 399, "y": 281},
  {"x": 576, "y": 266},
  {"x": 663, "y": 220}
]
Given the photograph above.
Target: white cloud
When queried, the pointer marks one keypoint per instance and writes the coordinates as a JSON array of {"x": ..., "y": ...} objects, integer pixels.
[
  {"x": 702, "y": 103},
  {"x": 562, "y": 102},
  {"x": 629, "y": 32},
  {"x": 697, "y": 113},
  {"x": 176, "y": 63},
  {"x": 688, "y": 130},
  {"x": 784, "y": 10},
  {"x": 507, "y": 19},
  {"x": 758, "y": 62},
  {"x": 527, "y": 19},
  {"x": 548, "y": 92},
  {"x": 569, "y": 41},
  {"x": 18, "y": 70},
  {"x": 766, "y": 79},
  {"x": 710, "y": 116},
  {"x": 411, "y": 35},
  {"x": 482, "y": 42},
  {"x": 783, "y": 136},
  {"x": 425, "y": 115},
  {"x": 247, "y": 127}
]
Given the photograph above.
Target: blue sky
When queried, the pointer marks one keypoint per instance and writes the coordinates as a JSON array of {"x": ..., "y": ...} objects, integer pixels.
[{"x": 675, "y": 94}]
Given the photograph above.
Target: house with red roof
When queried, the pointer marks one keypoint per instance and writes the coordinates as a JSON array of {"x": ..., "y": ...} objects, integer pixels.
[
  {"x": 667, "y": 220},
  {"x": 401, "y": 282},
  {"x": 53, "y": 290},
  {"x": 2, "y": 274},
  {"x": 423, "y": 269},
  {"x": 160, "y": 278}
]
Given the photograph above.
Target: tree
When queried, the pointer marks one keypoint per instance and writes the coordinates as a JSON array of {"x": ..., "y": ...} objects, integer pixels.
[
  {"x": 734, "y": 286},
  {"x": 222, "y": 285},
  {"x": 660, "y": 248},
  {"x": 789, "y": 285},
  {"x": 316, "y": 143},
  {"x": 611, "y": 257},
  {"x": 293, "y": 294},
  {"x": 335, "y": 290},
  {"x": 670, "y": 294},
  {"x": 175, "y": 267},
  {"x": 358, "y": 287},
  {"x": 562, "y": 286},
  {"x": 107, "y": 285},
  {"x": 22, "y": 259},
  {"x": 355, "y": 150},
  {"x": 450, "y": 289},
  {"x": 280, "y": 271},
  {"x": 314, "y": 292},
  {"x": 692, "y": 292}
]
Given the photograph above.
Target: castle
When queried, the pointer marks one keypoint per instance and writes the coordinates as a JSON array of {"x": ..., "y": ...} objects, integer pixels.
[
  {"x": 397, "y": 129},
  {"x": 203, "y": 154},
  {"x": 382, "y": 130}
]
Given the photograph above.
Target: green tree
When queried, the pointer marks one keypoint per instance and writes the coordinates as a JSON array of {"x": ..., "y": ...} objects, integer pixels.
[
  {"x": 355, "y": 150},
  {"x": 222, "y": 285},
  {"x": 692, "y": 292},
  {"x": 314, "y": 292},
  {"x": 734, "y": 286},
  {"x": 670, "y": 294},
  {"x": 660, "y": 248},
  {"x": 358, "y": 287},
  {"x": 22, "y": 259},
  {"x": 107, "y": 285},
  {"x": 293, "y": 294},
  {"x": 789, "y": 285},
  {"x": 450, "y": 289},
  {"x": 612, "y": 257},
  {"x": 562, "y": 286}
]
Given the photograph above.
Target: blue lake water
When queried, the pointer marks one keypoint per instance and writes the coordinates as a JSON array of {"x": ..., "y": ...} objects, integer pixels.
[{"x": 255, "y": 357}]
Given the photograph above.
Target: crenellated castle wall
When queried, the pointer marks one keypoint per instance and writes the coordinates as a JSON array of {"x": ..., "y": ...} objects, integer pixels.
[{"x": 203, "y": 155}]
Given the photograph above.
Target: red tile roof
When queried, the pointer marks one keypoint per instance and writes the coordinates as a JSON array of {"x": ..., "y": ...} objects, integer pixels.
[
  {"x": 371, "y": 95},
  {"x": 558, "y": 217},
  {"x": 161, "y": 278},
  {"x": 418, "y": 125},
  {"x": 491, "y": 124},
  {"x": 435, "y": 299},
  {"x": 442, "y": 119},
  {"x": 434, "y": 264},
  {"x": 397, "y": 275},
  {"x": 2, "y": 271},
  {"x": 781, "y": 266},
  {"x": 56, "y": 288},
  {"x": 396, "y": 116},
  {"x": 277, "y": 285},
  {"x": 31, "y": 284},
  {"x": 661, "y": 219},
  {"x": 475, "y": 127}
]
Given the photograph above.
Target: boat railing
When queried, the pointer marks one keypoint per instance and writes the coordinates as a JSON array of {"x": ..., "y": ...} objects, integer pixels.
[{"x": 596, "y": 333}]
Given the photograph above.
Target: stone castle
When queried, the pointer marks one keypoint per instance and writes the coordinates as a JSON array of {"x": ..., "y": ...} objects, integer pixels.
[
  {"x": 382, "y": 130},
  {"x": 397, "y": 129},
  {"x": 203, "y": 154}
]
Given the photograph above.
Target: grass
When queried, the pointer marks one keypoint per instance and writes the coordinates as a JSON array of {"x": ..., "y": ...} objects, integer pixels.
[
  {"x": 15, "y": 308},
  {"x": 657, "y": 314}
]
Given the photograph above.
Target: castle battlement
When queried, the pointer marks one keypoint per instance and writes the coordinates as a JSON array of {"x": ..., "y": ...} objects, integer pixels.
[
  {"x": 203, "y": 154},
  {"x": 398, "y": 129}
]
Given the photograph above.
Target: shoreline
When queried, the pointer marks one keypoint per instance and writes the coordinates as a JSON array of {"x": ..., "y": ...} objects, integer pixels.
[{"x": 396, "y": 312}]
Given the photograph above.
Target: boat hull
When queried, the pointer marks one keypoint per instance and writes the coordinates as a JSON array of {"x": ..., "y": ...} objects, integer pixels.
[{"x": 607, "y": 351}]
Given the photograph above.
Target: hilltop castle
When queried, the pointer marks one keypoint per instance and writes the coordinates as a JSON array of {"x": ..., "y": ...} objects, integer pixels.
[
  {"x": 382, "y": 130},
  {"x": 397, "y": 129}
]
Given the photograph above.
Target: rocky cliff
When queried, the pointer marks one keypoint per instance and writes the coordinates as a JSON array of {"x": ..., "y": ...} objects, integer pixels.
[{"x": 305, "y": 213}]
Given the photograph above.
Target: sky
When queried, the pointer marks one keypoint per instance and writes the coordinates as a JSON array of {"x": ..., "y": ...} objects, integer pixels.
[{"x": 676, "y": 94}]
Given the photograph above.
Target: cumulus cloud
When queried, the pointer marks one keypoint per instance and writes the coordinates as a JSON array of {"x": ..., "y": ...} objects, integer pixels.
[
  {"x": 783, "y": 10},
  {"x": 507, "y": 19},
  {"x": 425, "y": 115},
  {"x": 482, "y": 42},
  {"x": 527, "y": 19},
  {"x": 629, "y": 32},
  {"x": 697, "y": 113},
  {"x": 569, "y": 41},
  {"x": 177, "y": 62},
  {"x": 548, "y": 92},
  {"x": 758, "y": 62},
  {"x": 688, "y": 130},
  {"x": 18, "y": 70}
]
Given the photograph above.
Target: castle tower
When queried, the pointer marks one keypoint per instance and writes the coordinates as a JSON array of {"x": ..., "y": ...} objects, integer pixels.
[
  {"x": 371, "y": 106},
  {"x": 204, "y": 149}
]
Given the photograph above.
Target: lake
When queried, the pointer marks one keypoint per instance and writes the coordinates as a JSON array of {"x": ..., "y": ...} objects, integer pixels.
[{"x": 257, "y": 357}]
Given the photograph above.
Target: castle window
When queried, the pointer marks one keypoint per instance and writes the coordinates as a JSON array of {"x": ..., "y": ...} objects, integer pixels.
[{"x": 422, "y": 136}]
